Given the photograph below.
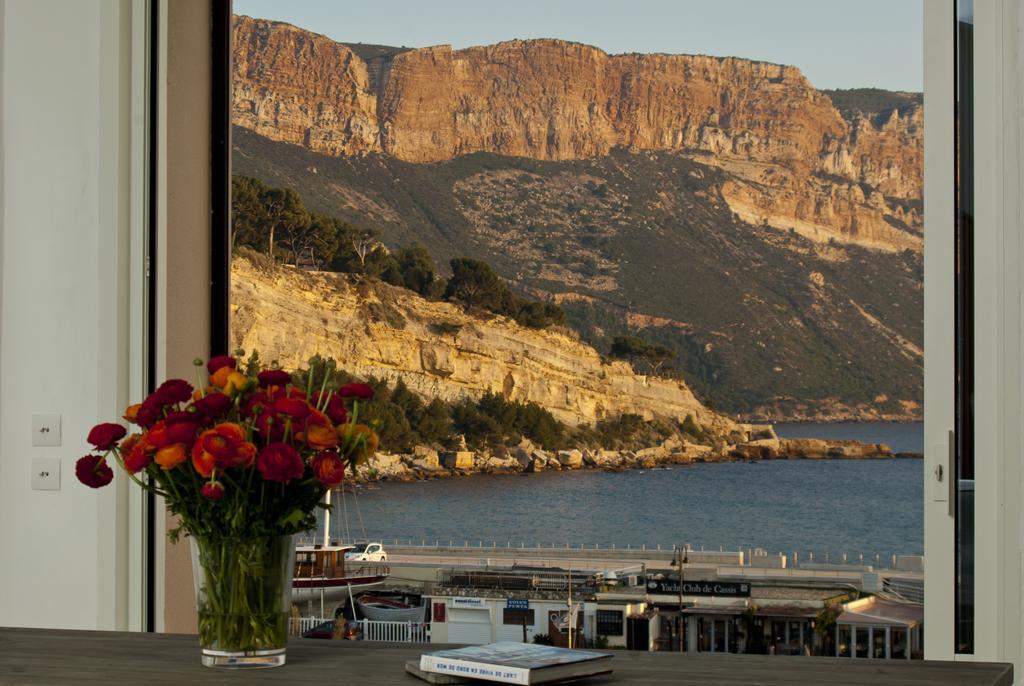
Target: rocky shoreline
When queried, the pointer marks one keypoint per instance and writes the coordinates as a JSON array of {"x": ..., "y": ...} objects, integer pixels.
[{"x": 761, "y": 444}]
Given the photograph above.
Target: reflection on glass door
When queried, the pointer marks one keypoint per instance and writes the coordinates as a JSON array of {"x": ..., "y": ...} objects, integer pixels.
[
  {"x": 964, "y": 324},
  {"x": 860, "y": 641}
]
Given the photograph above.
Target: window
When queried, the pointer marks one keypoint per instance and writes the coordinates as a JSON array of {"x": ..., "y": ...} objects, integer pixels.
[
  {"x": 898, "y": 643},
  {"x": 609, "y": 623},
  {"x": 517, "y": 617}
]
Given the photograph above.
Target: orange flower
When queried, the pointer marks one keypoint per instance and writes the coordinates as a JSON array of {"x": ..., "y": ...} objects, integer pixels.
[
  {"x": 321, "y": 436},
  {"x": 202, "y": 461},
  {"x": 329, "y": 468},
  {"x": 317, "y": 431},
  {"x": 222, "y": 446},
  {"x": 171, "y": 456},
  {"x": 235, "y": 383},
  {"x": 132, "y": 413},
  {"x": 359, "y": 440},
  {"x": 220, "y": 377}
]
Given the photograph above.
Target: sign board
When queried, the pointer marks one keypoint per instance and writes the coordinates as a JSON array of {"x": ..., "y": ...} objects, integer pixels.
[
  {"x": 477, "y": 603},
  {"x": 726, "y": 589},
  {"x": 517, "y": 604}
]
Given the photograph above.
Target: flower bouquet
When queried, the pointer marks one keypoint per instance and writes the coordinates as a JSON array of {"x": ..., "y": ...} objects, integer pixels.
[{"x": 244, "y": 460}]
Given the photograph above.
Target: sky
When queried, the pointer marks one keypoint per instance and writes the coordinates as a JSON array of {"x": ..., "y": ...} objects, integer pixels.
[{"x": 836, "y": 43}]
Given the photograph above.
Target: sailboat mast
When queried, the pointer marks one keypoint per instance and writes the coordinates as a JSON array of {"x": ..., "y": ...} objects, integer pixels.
[
  {"x": 327, "y": 518},
  {"x": 570, "y": 606}
]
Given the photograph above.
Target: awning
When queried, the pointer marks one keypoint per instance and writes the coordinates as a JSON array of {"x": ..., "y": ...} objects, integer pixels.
[
  {"x": 787, "y": 611},
  {"x": 714, "y": 610},
  {"x": 881, "y": 613}
]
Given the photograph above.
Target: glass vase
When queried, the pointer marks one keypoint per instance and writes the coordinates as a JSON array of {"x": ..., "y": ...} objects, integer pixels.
[{"x": 243, "y": 595}]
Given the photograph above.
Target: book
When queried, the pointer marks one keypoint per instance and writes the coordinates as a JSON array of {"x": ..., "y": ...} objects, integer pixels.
[{"x": 508, "y": 662}]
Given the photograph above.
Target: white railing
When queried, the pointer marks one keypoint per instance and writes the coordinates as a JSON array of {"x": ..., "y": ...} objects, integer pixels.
[
  {"x": 394, "y": 632},
  {"x": 298, "y": 625}
]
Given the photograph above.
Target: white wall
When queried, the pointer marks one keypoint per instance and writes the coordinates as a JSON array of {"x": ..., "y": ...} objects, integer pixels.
[{"x": 66, "y": 320}]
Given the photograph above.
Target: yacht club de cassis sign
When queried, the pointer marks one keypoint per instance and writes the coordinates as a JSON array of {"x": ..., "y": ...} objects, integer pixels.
[{"x": 699, "y": 588}]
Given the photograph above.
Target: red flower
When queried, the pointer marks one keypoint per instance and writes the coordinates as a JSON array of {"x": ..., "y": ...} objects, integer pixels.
[
  {"x": 172, "y": 391},
  {"x": 329, "y": 468},
  {"x": 270, "y": 427},
  {"x": 213, "y": 405},
  {"x": 356, "y": 390},
  {"x": 104, "y": 436},
  {"x": 148, "y": 413},
  {"x": 182, "y": 427},
  {"x": 280, "y": 462},
  {"x": 293, "y": 407},
  {"x": 137, "y": 456},
  {"x": 216, "y": 363},
  {"x": 93, "y": 471},
  {"x": 274, "y": 377},
  {"x": 214, "y": 490}
]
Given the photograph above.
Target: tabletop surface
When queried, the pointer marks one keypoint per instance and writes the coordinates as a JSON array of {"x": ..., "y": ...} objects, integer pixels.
[{"x": 51, "y": 656}]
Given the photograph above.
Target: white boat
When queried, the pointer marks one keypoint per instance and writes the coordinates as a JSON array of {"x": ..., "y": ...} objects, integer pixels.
[
  {"x": 388, "y": 610},
  {"x": 321, "y": 574}
]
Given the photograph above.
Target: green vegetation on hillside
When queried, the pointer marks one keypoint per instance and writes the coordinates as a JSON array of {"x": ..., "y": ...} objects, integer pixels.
[
  {"x": 643, "y": 244},
  {"x": 275, "y": 222},
  {"x": 404, "y": 420}
]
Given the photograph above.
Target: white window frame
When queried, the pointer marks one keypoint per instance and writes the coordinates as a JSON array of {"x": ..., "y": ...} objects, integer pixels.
[{"x": 998, "y": 114}]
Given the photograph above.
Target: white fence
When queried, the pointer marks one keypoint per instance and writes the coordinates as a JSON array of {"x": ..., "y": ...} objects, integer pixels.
[
  {"x": 395, "y": 632},
  {"x": 298, "y": 625},
  {"x": 390, "y": 632}
]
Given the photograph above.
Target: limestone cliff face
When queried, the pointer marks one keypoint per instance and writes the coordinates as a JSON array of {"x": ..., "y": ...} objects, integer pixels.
[
  {"x": 439, "y": 350},
  {"x": 555, "y": 100}
]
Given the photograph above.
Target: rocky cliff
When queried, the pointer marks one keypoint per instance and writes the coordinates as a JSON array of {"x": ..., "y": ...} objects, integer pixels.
[
  {"x": 797, "y": 162},
  {"x": 437, "y": 349}
]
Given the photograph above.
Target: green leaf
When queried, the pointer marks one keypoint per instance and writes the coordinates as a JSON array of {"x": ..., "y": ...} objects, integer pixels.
[{"x": 292, "y": 518}]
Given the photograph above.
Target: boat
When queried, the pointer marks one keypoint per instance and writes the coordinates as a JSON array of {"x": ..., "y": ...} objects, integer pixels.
[
  {"x": 321, "y": 574},
  {"x": 381, "y": 609}
]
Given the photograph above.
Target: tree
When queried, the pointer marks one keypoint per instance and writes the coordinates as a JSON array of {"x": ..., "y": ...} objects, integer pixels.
[
  {"x": 318, "y": 242},
  {"x": 417, "y": 268},
  {"x": 435, "y": 423},
  {"x": 538, "y": 314},
  {"x": 285, "y": 216},
  {"x": 249, "y": 219},
  {"x": 474, "y": 283},
  {"x": 637, "y": 350}
]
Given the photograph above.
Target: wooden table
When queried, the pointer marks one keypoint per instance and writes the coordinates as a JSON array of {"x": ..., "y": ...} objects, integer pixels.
[{"x": 41, "y": 656}]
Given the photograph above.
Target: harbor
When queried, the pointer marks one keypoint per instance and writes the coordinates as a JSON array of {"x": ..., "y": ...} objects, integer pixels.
[{"x": 742, "y": 601}]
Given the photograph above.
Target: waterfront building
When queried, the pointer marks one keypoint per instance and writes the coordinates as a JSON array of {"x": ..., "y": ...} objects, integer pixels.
[{"x": 815, "y": 616}]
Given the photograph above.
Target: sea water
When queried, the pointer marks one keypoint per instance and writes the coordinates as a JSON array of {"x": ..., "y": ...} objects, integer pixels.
[{"x": 869, "y": 507}]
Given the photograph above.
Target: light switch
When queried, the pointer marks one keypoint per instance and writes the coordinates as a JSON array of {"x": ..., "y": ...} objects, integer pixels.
[
  {"x": 46, "y": 430},
  {"x": 45, "y": 473}
]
